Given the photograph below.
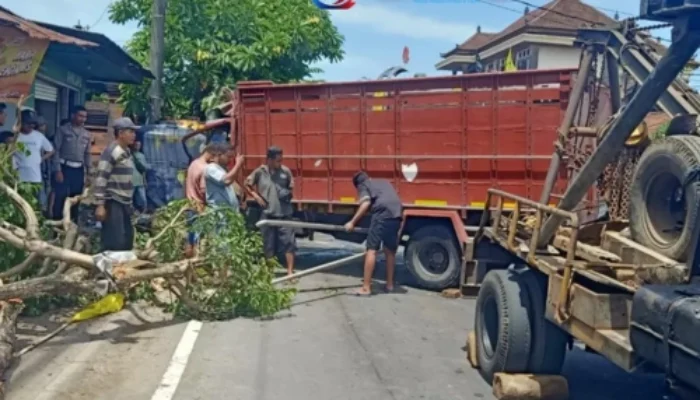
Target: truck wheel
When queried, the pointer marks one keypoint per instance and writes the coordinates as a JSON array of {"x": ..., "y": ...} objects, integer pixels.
[
  {"x": 548, "y": 341},
  {"x": 433, "y": 257},
  {"x": 503, "y": 329},
  {"x": 662, "y": 214}
]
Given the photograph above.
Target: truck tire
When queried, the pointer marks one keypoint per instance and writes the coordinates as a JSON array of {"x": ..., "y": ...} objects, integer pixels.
[
  {"x": 503, "y": 329},
  {"x": 660, "y": 217},
  {"x": 433, "y": 257},
  {"x": 548, "y": 349}
]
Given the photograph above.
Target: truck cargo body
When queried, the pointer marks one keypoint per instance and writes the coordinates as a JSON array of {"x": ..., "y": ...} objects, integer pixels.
[{"x": 442, "y": 141}]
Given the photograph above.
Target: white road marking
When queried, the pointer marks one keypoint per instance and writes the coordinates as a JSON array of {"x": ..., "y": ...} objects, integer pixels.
[{"x": 168, "y": 385}]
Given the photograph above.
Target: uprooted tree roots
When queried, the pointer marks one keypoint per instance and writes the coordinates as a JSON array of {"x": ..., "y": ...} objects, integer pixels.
[{"x": 229, "y": 277}]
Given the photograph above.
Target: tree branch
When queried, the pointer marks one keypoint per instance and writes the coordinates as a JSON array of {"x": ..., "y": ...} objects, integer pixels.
[
  {"x": 20, "y": 268},
  {"x": 32, "y": 222},
  {"x": 45, "y": 249}
]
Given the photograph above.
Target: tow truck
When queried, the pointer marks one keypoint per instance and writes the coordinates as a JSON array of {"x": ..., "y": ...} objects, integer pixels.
[{"x": 628, "y": 290}]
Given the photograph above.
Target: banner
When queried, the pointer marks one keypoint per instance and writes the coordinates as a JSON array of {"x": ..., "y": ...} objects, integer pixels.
[{"x": 20, "y": 57}]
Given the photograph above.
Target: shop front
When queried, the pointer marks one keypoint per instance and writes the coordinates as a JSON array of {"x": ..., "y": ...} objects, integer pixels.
[{"x": 48, "y": 68}]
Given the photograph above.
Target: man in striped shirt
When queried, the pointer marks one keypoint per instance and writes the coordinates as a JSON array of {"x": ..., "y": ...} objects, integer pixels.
[{"x": 114, "y": 189}]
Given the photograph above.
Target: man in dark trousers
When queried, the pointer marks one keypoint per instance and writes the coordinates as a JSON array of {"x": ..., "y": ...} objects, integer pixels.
[
  {"x": 71, "y": 161},
  {"x": 114, "y": 189},
  {"x": 378, "y": 197},
  {"x": 271, "y": 184}
]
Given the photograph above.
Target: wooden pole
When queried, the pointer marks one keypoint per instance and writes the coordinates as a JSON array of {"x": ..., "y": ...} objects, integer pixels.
[{"x": 530, "y": 387}]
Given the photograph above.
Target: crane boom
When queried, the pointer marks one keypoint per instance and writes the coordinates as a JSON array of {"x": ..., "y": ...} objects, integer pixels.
[{"x": 657, "y": 87}]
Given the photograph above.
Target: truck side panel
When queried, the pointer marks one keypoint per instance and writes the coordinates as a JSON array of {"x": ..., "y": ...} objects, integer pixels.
[{"x": 442, "y": 141}]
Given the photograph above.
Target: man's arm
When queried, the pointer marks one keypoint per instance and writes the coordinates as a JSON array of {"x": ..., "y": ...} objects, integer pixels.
[
  {"x": 291, "y": 183},
  {"x": 87, "y": 156},
  {"x": 47, "y": 148},
  {"x": 231, "y": 175},
  {"x": 365, "y": 203},
  {"x": 58, "y": 142},
  {"x": 250, "y": 182},
  {"x": 104, "y": 169}
]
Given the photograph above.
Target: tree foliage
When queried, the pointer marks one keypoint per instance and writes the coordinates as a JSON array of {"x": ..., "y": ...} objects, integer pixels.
[
  {"x": 212, "y": 44},
  {"x": 234, "y": 278}
]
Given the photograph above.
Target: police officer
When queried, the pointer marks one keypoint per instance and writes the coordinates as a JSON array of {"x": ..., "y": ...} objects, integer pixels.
[{"x": 71, "y": 162}]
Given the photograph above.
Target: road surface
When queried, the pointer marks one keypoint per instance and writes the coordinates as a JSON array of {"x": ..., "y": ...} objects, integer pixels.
[{"x": 329, "y": 346}]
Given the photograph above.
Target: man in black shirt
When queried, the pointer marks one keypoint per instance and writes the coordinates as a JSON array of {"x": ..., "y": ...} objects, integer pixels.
[{"x": 378, "y": 197}]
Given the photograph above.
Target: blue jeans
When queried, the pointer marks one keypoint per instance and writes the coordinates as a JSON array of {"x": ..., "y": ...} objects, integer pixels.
[{"x": 192, "y": 236}]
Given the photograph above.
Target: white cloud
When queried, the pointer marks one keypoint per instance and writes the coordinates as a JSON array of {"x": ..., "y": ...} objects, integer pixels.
[
  {"x": 397, "y": 22},
  {"x": 352, "y": 67}
]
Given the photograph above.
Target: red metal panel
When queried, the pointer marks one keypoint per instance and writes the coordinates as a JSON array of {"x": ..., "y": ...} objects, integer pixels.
[{"x": 461, "y": 134}]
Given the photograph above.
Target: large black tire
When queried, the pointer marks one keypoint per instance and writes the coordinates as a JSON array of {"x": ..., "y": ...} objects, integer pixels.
[
  {"x": 433, "y": 257},
  {"x": 502, "y": 327},
  {"x": 660, "y": 218},
  {"x": 548, "y": 350}
]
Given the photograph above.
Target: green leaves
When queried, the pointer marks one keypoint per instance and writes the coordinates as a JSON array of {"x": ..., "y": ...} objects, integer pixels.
[
  {"x": 235, "y": 279},
  {"x": 211, "y": 44}
]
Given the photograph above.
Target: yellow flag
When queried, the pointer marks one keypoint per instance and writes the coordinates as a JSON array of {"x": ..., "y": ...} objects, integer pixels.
[{"x": 509, "y": 64}]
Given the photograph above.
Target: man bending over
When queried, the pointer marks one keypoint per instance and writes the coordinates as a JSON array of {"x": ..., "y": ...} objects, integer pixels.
[{"x": 378, "y": 197}]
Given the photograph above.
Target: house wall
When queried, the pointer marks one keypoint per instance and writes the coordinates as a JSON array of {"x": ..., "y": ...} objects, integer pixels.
[
  {"x": 557, "y": 57},
  {"x": 71, "y": 91}
]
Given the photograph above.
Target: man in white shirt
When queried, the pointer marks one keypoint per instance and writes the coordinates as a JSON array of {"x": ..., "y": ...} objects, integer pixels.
[
  {"x": 218, "y": 181},
  {"x": 33, "y": 148}
]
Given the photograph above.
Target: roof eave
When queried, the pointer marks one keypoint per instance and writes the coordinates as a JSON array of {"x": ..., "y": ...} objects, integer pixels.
[{"x": 36, "y": 31}]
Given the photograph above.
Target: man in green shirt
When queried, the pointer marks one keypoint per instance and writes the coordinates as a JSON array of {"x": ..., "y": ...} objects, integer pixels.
[{"x": 271, "y": 184}]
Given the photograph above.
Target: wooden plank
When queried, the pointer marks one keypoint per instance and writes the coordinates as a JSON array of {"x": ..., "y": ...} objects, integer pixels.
[
  {"x": 611, "y": 343},
  {"x": 597, "y": 310},
  {"x": 586, "y": 251},
  {"x": 632, "y": 252}
]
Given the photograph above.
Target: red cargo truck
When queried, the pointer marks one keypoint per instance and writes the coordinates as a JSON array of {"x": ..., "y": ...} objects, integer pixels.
[{"x": 442, "y": 141}]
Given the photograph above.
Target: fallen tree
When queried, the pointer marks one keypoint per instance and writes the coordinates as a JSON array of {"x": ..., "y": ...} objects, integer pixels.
[{"x": 229, "y": 277}]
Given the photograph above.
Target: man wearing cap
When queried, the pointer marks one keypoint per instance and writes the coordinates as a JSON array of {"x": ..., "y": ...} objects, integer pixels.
[
  {"x": 35, "y": 150},
  {"x": 71, "y": 162},
  {"x": 114, "y": 189}
]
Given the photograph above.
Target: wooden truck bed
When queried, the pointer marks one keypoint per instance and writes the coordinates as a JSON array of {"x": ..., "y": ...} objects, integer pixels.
[{"x": 594, "y": 271}]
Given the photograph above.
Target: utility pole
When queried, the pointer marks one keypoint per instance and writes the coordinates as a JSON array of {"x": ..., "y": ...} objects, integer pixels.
[{"x": 157, "y": 57}]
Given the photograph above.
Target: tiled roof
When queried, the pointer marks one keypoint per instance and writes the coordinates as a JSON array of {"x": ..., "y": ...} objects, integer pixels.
[
  {"x": 8, "y": 18},
  {"x": 477, "y": 40},
  {"x": 567, "y": 15}
]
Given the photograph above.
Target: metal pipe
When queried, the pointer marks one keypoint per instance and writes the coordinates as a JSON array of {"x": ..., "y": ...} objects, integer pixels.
[
  {"x": 306, "y": 225},
  {"x": 584, "y": 131},
  {"x": 563, "y": 131},
  {"x": 614, "y": 82},
  {"x": 667, "y": 69},
  {"x": 321, "y": 268}
]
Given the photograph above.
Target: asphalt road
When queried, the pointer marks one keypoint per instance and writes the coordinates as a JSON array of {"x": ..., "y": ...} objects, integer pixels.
[{"x": 329, "y": 346}]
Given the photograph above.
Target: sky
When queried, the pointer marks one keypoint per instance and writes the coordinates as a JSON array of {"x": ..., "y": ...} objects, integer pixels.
[{"x": 375, "y": 31}]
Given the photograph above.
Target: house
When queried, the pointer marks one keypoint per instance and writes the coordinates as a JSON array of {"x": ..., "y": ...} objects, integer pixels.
[
  {"x": 540, "y": 39},
  {"x": 56, "y": 68}
]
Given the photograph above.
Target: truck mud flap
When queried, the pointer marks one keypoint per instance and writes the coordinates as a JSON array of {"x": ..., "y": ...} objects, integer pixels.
[{"x": 665, "y": 328}]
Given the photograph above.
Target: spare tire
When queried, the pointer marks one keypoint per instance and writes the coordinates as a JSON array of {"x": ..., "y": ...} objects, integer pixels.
[{"x": 663, "y": 214}]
